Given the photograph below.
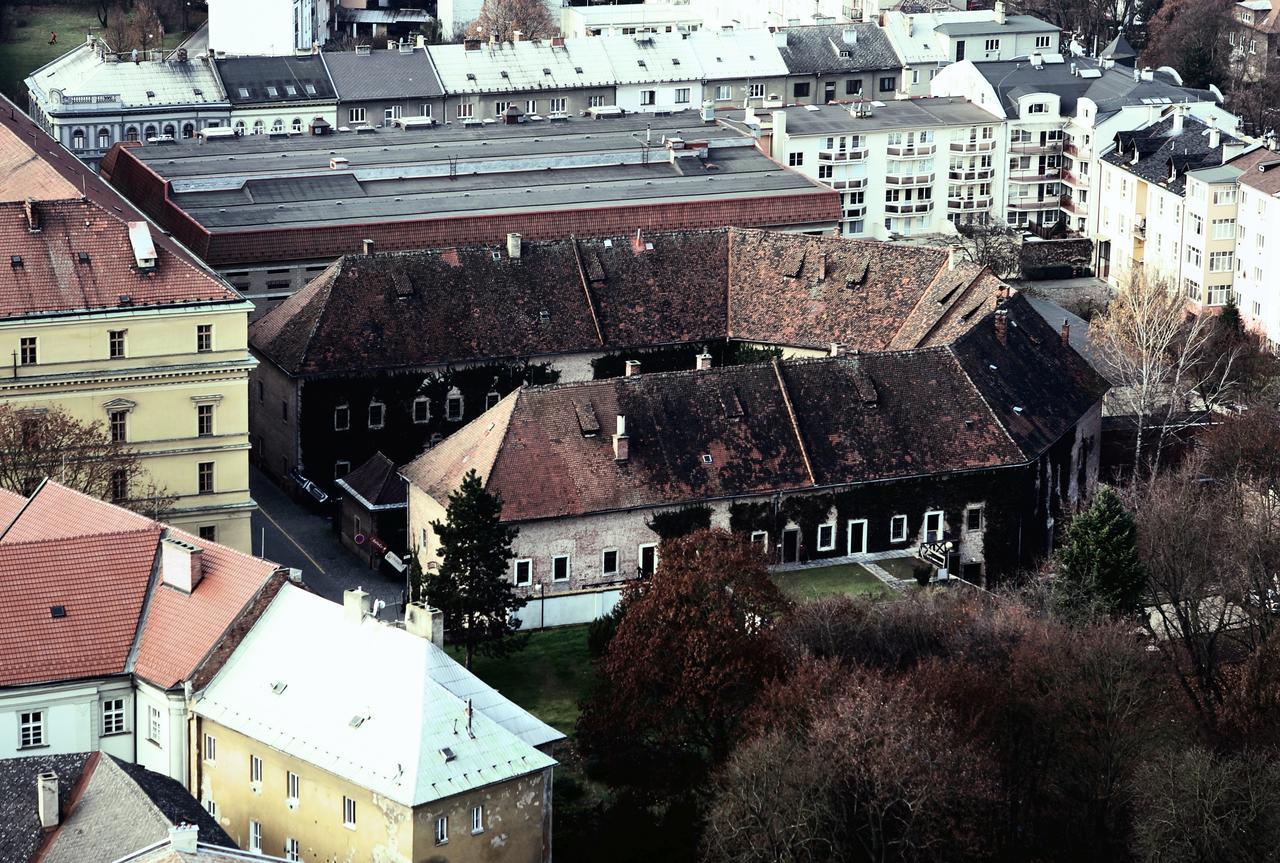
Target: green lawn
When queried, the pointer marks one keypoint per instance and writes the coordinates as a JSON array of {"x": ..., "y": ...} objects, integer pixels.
[
  {"x": 847, "y": 579},
  {"x": 548, "y": 678},
  {"x": 901, "y": 567},
  {"x": 28, "y": 48}
]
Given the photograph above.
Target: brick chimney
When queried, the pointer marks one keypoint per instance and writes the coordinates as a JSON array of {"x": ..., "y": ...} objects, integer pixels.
[
  {"x": 822, "y": 265},
  {"x": 1065, "y": 335},
  {"x": 47, "y": 803},
  {"x": 702, "y": 362},
  {"x": 631, "y": 369},
  {"x": 621, "y": 444},
  {"x": 356, "y": 604},
  {"x": 32, "y": 212},
  {"x": 366, "y": 246},
  {"x": 181, "y": 563},
  {"x": 515, "y": 246},
  {"x": 426, "y": 622},
  {"x": 637, "y": 242},
  {"x": 1002, "y": 326}
]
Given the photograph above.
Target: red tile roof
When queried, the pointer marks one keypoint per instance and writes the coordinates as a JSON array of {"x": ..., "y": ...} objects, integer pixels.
[
  {"x": 24, "y": 175},
  {"x": 98, "y": 562}
]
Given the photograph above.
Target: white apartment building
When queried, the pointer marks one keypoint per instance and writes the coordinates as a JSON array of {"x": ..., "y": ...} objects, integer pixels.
[
  {"x": 1257, "y": 283},
  {"x": 628, "y": 19},
  {"x": 903, "y": 168},
  {"x": 1059, "y": 114},
  {"x": 1167, "y": 207},
  {"x": 272, "y": 27}
]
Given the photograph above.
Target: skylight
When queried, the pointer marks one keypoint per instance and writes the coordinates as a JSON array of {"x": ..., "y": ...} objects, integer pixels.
[
  {"x": 272, "y": 91},
  {"x": 244, "y": 93},
  {"x": 310, "y": 88}
]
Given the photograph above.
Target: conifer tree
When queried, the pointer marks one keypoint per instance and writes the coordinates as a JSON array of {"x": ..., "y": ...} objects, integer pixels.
[{"x": 1099, "y": 563}]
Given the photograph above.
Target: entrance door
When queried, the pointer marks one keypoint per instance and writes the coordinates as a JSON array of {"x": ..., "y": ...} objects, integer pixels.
[
  {"x": 1104, "y": 259},
  {"x": 959, "y": 50},
  {"x": 791, "y": 545},
  {"x": 857, "y": 536},
  {"x": 828, "y": 92},
  {"x": 648, "y": 559}
]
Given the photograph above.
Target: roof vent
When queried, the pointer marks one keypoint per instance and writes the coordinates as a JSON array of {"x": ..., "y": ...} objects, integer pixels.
[
  {"x": 339, "y": 163},
  {"x": 15, "y": 261},
  {"x": 144, "y": 250},
  {"x": 57, "y": 612},
  {"x": 447, "y": 754},
  {"x": 82, "y": 257},
  {"x": 279, "y": 687}
]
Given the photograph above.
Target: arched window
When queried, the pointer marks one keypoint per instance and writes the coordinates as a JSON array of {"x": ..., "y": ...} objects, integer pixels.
[
  {"x": 131, "y": 134},
  {"x": 151, "y": 132},
  {"x": 77, "y": 139},
  {"x": 297, "y": 125},
  {"x": 258, "y": 126},
  {"x": 277, "y": 126},
  {"x": 188, "y": 130},
  {"x": 239, "y": 127},
  {"x": 170, "y": 130},
  {"x": 104, "y": 138}
]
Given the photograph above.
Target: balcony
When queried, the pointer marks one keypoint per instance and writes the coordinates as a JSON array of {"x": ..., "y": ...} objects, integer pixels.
[
  {"x": 971, "y": 175},
  {"x": 1076, "y": 181},
  {"x": 1076, "y": 208},
  {"x": 1072, "y": 149},
  {"x": 968, "y": 205},
  {"x": 852, "y": 184},
  {"x": 907, "y": 208},
  {"x": 973, "y": 146},
  {"x": 855, "y": 212},
  {"x": 1035, "y": 175},
  {"x": 914, "y": 151},
  {"x": 1045, "y": 202},
  {"x": 1140, "y": 230},
  {"x": 909, "y": 179},
  {"x": 1028, "y": 147},
  {"x": 857, "y": 155}
]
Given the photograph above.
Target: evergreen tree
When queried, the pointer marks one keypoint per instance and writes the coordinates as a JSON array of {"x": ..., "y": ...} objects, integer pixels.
[
  {"x": 472, "y": 585},
  {"x": 1099, "y": 563}
]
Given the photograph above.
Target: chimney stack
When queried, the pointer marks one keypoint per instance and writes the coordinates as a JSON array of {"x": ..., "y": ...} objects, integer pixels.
[
  {"x": 183, "y": 838},
  {"x": 637, "y": 243},
  {"x": 366, "y": 246},
  {"x": 1177, "y": 121},
  {"x": 47, "y": 803},
  {"x": 1215, "y": 136},
  {"x": 1002, "y": 326},
  {"x": 1000, "y": 17},
  {"x": 631, "y": 369},
  {"x": 426, "y": 622},
  {"x": 621, "y": 447},
  {"x": 702, "y": 362},
  {"x": 356, "y": 604},
  {"x": 181, "y": 564},
  {"x": 835, "y": 350},
  {"x": 1065, "y": 335},
  {"x": 514, "y": 246},
  {"x": 822, "y": 265},
  {"x": 33, "y": 215}
]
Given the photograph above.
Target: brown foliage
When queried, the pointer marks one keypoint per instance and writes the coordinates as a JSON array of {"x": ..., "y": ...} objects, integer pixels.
[
  {"x": 1191, "y": 36},
  {"x": 504, "y": 17}
]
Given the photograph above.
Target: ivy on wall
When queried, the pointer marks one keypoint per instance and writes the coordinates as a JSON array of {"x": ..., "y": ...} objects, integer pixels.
[{"x": 673, "y": 523}]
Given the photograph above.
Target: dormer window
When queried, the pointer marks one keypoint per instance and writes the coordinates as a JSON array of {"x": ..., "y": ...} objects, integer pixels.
[{"x": 310, "y": 88}]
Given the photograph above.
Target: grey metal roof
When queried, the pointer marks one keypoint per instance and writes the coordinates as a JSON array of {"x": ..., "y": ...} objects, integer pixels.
[
  {"x": 395, "y": 174},
  {"x": 84, "y": 72},
  {"x": 900, "y": 114},
  {"x": 383, "y": 16},
  {"x": 275, "y": 80},
  {"x": 817, "y": 48},
  {"x": 1012, "y": 24},
  {"x": 383, "y": 75},
  {"x": 1216, "y": 174},
  {"x": 1164, "y": 158},
  {"x": 1119, "y": 49},
  {"x": 1113, "y": 89}
]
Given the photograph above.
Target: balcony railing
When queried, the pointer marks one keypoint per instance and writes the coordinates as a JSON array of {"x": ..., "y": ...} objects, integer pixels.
[
  {"x": 904, "y": 151},
  {"x": 971, "y": 175},
  {"x": 909, "y": 179},
  {"x": 1073, "y": 206},
  {"x": 973, "y": 146},
  {"x": 963, "y": 205},
  {"x": 1045, "y": 202},
  {"x": 907, "y": 208},
  {"x": 1079, "y": 181},
  {"x": 1036, "y": 147},
  {"x": 1072, "y": 149},
  {"x": 851, "y": 184},
  {"x": 1034, "y": 175},
  {"x": 856, "y": 155},
  {"x": 1140, "y": 229}
]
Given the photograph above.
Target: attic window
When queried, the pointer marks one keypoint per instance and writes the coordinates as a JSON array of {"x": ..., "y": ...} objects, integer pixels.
[
  {"x": 57, "y": 611},
  {"x": 471, "y": 76},
  {"x": 279, "y": 686},
  {"x": 290, "y": 90},
  {"x": 706, "y": 458},
  {"x": 82, "y": 257},
  {"x": 642, "y": 64},
  {"x": 447, "y": 754},
  {"x": 546, "y": 70},
  {"x": 675, "y": 61},
  {"x": 544, "y": 316},
  {"x": 196, "y": 91},
  {"x": 504, "y": 74},
  {"x": 272, "y": 91},
  {"x": 244, "y": 93},
  {"x": 357, "y": 720},
  {"x": 497, "y": 256},
  {"x": 1017, "y": 409},
  {"x": 151, "y": 94},
  {"x": 310, "y": 88},
  {"x": 578, "y": 69},
  {"x": 15, "y": 261},
  {"x": 846, "y": 53},
  {"x": 588, "y": 423}
]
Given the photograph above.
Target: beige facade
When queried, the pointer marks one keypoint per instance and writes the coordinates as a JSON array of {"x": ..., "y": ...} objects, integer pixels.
[
  {"x": 170, "y": 366},
  {"x": 513, "y": 824}
]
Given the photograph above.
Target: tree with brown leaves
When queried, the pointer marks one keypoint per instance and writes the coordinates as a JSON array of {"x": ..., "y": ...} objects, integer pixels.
[{"x": 503, "y": 18}]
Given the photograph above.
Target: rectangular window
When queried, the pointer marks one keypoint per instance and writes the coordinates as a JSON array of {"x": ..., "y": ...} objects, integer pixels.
[
  {"x": 453, "y": 407},
  {"x": 27, "y": 351},
  {"x": 421, "y": 410},
  {"x": 559, "y": 105},
  {"x": 291, "y": 784},
  {"x": 204, "y": 420},
  {"x": 826, "y": 536},
  {"x": 255, "y": 836},
  {"x": 31, "y": 729},
  {"x": 560, "y": 567},
  {"x": 113, "y": 716},
  {"x": 973, "y": 518},
  {"x": 348, "y": 813},
  {"x": 292, "y": 851},
  {"x": 682, "y": 95},
  {"x": 211, "y": 807},
  {"x": 524, "y": 572},
  {"x": 992, "y": 45},
  {"x": 477, "y": 819},
  {"x": 760, "y": 538},
  {"x": 390, "y": 115},
  {"x": 888, "y": 85},
  {"x": 255, "y": 768},
  {"x": 356, "y": 115},
  {"x": 153, "y": 723},
  {"x": 204, "y": 338},
  {"x": 1224, "y": 196},
  {"x": 499, "y": 108},
  {"x": 595, "y": 101},
  {"x": 898, "y": 528},
  {"x": 852, "y": 86},
  {"x": 1193, "y": 256},
  {"x": 466, "y": 111},
  {"x": 795, "y": 160},
  {"x": 801, "y": 90},
  {"x": 115, "y": 344},
  {"x": 1197, "y": 225},
  {"x": 204, "y": 477},
  {"x": 442, "y": 829},
  {"x": 647, "y": 555},
  {"x": 648, "y": 97},
  {"x": 1042, "y": 42},
  {"x": 341, "y": 418},
  {"x": 491, "y": 399},
  {"x": 609, "y": 562},
  {"x": 1224, "y": 229},
  {"x": 377, "y": 414},
  {"x": 531, "y": 106},
  {"x": 856, "y": 539},
  {"x": 1037, "y": 108},
  {"x": 1221, "y": 262},
  {"x": 933, "y": 526},
  {"x": 118, "y": 422},
  {"x": 341, "y": 468},
  {"x": 755, "y": 91},
  {"x": 119, "y": 485},
  {"x": 210, "y": 748},
  {"x": 723, "y": 93}
]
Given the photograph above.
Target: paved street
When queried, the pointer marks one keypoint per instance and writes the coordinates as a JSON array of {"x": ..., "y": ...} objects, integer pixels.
[{"x": 297, "y": 537}]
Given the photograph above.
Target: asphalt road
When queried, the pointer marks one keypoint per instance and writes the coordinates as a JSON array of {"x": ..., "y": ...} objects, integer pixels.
[{"x": 288, "y": 533}]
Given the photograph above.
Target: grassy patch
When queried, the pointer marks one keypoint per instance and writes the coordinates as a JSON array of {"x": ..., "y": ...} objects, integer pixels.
[
  {"x": 548, "y": 678},
  {"x": 846, "y": 579},
  {"x": 901, "y": 567}
]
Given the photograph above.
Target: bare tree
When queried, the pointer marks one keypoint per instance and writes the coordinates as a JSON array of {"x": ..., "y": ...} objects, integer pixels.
[
  {"x": 502, "y": 18},
  {"x": 35, "y": 444},
  {"x": 148, "y": 29},
  {"x": 992, "y": 244},
  {"x": 118, "y": 31}
]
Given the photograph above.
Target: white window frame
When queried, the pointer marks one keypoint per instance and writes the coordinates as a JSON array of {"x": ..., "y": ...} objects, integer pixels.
[
  {"x": 648, "y": 98},
  {"x": 982, "y": 517},
  {"x": 292, "y": 789},
  {"x": 210, "y": 749},
  {"x": 761, "y": 537},
  {"x": 558, "y": 104},
  {"x": 31, "y": 729},
  {"x": 682, "y": 96},
  {"x": 292, "y": 850},
  {"x": 640, "y": 550},
  {"x": 356, "y": 115},
  {"x": 453, "y": 397},
  {"x": 568, "y": 567},
  {"x": 255, "y": 836},
  {"x": 477, "y": 819},
  {"x": 442, "y": 830},
  {"x": 1043, "y": 42},
  {"x": 991, "y": 45},
  {"x": 114, "y": 716},
  {"x": 515, "y": 571},
  {"x": 466, "y": 111},
  {"x": 617, "y": 562},
  {"x": 425, "y": 403},
  {"x": 724, "y": 92},
  {"x": 942, "y": 525},
  {"x": 382, "y": 414},
  {"x": 898, "y": 528},
  {"x": 211, "y": 807},
  {"x": 346, "y": 424},
  {"x": 154, "y": 724},
  {"x": 850, "y": 527},
  {"x": 348, "y": 812},
  {"x": 255, "y": 770},
  {"x": 830, "y": 543}
]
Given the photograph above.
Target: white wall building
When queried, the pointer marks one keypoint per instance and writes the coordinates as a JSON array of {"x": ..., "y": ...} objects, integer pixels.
[
  {"x": 628, "y": 19},
  {"x": 1257, "y": 282},
  {"x": 273, "y": 27}
]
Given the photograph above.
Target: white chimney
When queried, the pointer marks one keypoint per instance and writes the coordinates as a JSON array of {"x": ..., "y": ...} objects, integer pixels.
[
  {"x": 1177, "y": 121},
  {"x": 780, "y": 38},
  {"x": 631, "y": 369},
  {"x": 356, "y": 604},
  {"x": 144, "y": 250},
  {"x": 1000, "y": 19},
  {"x": 621, "y": 444},
  {"x": 181, "y": 566},
  {"x": 366, "y": 246},
  {"x": 703, "y": 362},
  {"x": 424, "y": 621},
  {"x": 849, "y": 36},
  {"x": 47, "y": 800},
  {"x": 183, "y": 838},
  {"x": 514, "y": 246},
  {"x": 1215, "y": 136}
]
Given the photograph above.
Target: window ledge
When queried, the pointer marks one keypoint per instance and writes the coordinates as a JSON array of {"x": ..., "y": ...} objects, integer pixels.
[{"x": 33, "y": 746}]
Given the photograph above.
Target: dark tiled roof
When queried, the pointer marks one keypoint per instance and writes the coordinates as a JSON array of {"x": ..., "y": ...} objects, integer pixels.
[
  {"x": 1114, "y": 89},
  {"x": 376, "y": 483},
  {"x": 816, "y": 48},
  {"x": 20, "y": 831},
  {"x": 1164, "y": 158},
  {"x": 383, "y": 75},
  {"x": 175, "y": 803},
  {"x": 729, "y": 432},
  {"x": 255, "y": 74},
  {"x": 424, "y": 308},
  {"x": 1261, "y": 169},
  {"x": 1119, "y": 49}
]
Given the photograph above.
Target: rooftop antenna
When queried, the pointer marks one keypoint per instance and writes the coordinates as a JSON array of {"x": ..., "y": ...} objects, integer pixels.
[{"x": 470, "y": 733}]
